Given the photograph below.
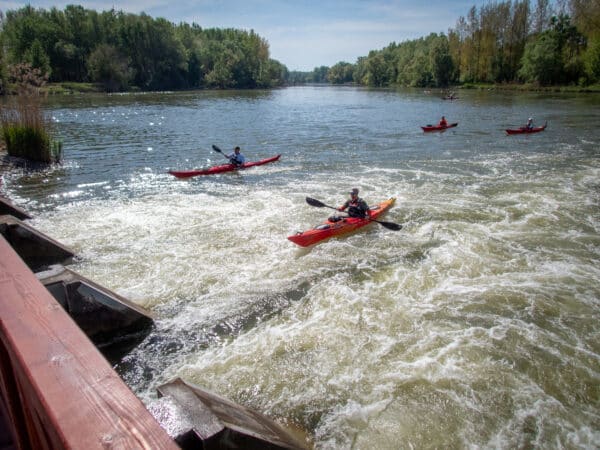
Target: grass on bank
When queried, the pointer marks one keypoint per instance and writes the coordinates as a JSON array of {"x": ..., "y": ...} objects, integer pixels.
[
  {"x": 24, "y": 127},
  {"x": 25, "y": 131},
  {"x": 68, "y": 88}
]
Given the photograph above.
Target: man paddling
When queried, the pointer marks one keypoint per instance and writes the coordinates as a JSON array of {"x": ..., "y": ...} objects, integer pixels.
[
  {"x": 529, "y": 124},
  {"x": 357, "y": 207},
  {"x": 236, "y": 158},
  {"x": 443, "y": 123}
]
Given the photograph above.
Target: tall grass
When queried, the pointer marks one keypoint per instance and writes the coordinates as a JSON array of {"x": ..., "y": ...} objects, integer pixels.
[{"x": 25, "y": 127}]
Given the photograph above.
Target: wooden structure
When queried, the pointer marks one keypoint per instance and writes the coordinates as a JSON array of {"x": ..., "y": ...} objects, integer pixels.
[{"x": 56, "y": 389}]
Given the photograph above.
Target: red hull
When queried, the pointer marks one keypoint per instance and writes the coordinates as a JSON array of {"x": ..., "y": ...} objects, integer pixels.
[
  {"x": 221, "y": 169},
  {"x": 438, "y": 127},
  {"x": 524, "y": 130},
  {"x": 329, "y": 229}
]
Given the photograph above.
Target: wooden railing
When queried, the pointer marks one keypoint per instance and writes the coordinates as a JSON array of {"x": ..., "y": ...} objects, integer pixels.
[{"x": 56, "y": 389}]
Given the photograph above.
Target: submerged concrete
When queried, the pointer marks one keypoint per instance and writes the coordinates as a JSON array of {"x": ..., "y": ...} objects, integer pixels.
[
  {"x": 113, "y": 323},
  {"x": 36, "y": 249},
  {"x": 8, "y": 208},
  {"x": 213, "y": 422}
]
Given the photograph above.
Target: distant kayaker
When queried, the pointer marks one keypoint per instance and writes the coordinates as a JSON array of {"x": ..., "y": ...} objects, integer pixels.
[
  {"x": 236, "y": 158},
  {"x": 529, "y": 124},
  {"x": 443, "y": 122},
  {"x": 357, "y": 207}
]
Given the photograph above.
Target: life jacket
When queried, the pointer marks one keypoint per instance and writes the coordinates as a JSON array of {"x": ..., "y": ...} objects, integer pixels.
[{"x": 356, "y": 208}]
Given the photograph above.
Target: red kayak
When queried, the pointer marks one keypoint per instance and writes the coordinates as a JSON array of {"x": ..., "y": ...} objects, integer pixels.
[
  {"x": 525, "y": 130},
  {"x": 335, "y": 228},
  {"x": 439, "y": 127},
  {"x": 221, "y": 168}
]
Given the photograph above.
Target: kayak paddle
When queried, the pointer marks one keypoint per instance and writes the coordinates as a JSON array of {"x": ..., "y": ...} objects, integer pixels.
[
  {"x": 217, "y": 149},
  {"x": 389, "y": 225}
]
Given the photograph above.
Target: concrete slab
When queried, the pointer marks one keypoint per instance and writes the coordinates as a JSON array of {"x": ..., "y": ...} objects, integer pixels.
[
  {"x": 35, "y": 248},
  {"x": 113, "y": 323},
  {"x": 9, "y": 208},
  {"x": 218, "y": 423}
]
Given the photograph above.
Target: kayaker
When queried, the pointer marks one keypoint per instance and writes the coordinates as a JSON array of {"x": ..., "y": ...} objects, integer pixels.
[
  {"x": 529, "y": 124},
  {"x": 443, "y": 122},
  {"x": 236, "y": 158},
  {"x": 357, "y": 207}
]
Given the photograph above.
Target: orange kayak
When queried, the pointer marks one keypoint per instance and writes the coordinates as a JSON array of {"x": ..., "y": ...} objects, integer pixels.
[{"x": 346, "y": 225}]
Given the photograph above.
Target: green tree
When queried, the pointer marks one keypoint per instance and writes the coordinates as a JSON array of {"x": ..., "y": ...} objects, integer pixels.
[
  {"x": 108, "y": 67},
  {"x": 442, "y": 66},
  {"x": 540, "y": 60},
  {"x": 319, "y": 74},
  {"x": 342, "y": 72},
  {"x": 592, "y": 60},
  {"x": 37, "y": 58},
  {"x": 376, "y": 70}
]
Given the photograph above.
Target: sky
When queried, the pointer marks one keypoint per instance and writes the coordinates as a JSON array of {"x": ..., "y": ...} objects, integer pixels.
[{"x": 302, "y": 34}]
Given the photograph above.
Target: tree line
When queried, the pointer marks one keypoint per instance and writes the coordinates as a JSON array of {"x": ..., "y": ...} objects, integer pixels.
[
  {"x": 123, "y": 51},
  {"x": 500, "y": 42}
]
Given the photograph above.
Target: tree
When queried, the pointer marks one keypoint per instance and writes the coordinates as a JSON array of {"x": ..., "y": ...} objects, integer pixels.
[
  {"x": 340, "y": 73},
  {"x": 376, "y": 70},
  {"x": 37, "y": 58},
  {"x": 108, "y": 67},
  {"x": 442, "y": 66},
  {"x": 319, "y": 74},
  {"x": 159, "y": 54},
  {"x": 541, "y": 16},
  {"x": 586, "y": 16},
  {"x": 541, "y": 60},
  {"x": 592, "y": 60}
]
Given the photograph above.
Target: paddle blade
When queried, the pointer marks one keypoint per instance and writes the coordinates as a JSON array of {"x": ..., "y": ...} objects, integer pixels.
[
  {"x": 315, "y": 202},
  {"x": 216, "y": 149},
  {"x": 390, "y": 225}
]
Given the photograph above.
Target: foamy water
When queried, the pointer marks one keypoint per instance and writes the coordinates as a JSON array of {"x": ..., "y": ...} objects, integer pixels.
[{"x": 475, "y": 326}]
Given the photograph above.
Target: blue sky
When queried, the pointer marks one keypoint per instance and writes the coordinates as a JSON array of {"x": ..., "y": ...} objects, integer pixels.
[{"x": 302, "y": 34}]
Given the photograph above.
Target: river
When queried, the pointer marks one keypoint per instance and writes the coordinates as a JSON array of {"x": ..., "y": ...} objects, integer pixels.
[{"x": 475, "y": 326}]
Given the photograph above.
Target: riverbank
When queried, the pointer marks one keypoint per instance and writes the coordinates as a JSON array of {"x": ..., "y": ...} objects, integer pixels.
[
  {"x": 529, "y": 87},
  {"x": 70, "y": 88}
]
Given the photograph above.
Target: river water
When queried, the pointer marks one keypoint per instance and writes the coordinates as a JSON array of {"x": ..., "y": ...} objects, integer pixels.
[{"x": 475, "y": 326}]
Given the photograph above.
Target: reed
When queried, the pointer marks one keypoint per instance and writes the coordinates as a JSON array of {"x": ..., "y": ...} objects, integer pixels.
[{"x": 25, "y": 127}]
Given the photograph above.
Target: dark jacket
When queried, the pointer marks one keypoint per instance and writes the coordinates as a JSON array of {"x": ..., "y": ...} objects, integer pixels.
[{"x": 356, "y": 207}]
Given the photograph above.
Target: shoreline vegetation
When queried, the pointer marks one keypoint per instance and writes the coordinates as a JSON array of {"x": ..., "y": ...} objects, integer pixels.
[
  {"x": 71, "y": 88},
  {"x": 512, "y": 44}
]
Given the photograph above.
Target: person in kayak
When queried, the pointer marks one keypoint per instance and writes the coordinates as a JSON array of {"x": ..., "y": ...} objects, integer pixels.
[
  {"x": 443, "y": 122},
  {"x": 529, "y": 124},
  {"x": 236, "y": 158},
  {"x": 357, "y": 207}
]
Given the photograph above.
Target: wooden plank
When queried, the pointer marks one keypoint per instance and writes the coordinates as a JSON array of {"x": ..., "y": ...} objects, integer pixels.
[{"x": 70, "y": 394}]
